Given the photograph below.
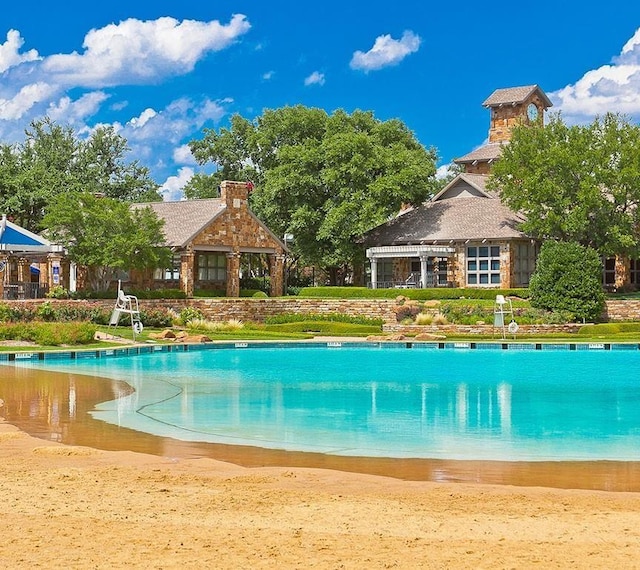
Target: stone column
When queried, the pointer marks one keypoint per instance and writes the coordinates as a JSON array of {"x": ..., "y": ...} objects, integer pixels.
[
  {"x": 506, "y": 266},
  {"x": 276, "y": 275},
  {"x": 233, "y": 274},
  {"x": 24, "y": 278},
  {"x": 423, "y": 270},
  {"x": 4, "y": 273},
  {"x": 24, "y": 270},
  {"x": 623, "y": 279},
  {"x": 187, "y": 272},
  {"x": 374, "y": 272}
]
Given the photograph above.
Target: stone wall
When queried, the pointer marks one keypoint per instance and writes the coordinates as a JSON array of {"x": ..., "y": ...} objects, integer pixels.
[
  {"x": 623, "y": 310},
  {"x": 223, "y": 309}
]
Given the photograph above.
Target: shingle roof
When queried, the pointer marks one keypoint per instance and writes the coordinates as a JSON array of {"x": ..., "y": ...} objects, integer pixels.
[
  {"x": 490, "y": 151},
  {"x": 184, "y": 219},
  {"x": 470, "y": 218},
  {"x": 515, "y": 95}
]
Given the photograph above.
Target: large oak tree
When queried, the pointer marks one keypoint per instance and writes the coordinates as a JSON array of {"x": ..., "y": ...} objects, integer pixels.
[{"x": 325, "y": 178}]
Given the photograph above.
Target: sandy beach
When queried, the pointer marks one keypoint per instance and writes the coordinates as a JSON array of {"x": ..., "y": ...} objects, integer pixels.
[{"x": 78, "y": 507}]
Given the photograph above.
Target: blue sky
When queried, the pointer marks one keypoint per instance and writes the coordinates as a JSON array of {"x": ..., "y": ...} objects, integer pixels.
[{"x": 162, "y": 71}]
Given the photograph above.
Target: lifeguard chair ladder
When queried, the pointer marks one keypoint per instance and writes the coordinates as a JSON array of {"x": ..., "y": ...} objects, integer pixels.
[
  {"x": 126, "y": 305},
  {"x": 503, "y": 309}
]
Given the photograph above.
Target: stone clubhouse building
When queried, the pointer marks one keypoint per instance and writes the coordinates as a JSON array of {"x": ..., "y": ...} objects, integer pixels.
[{"x": 465, "y": 236}]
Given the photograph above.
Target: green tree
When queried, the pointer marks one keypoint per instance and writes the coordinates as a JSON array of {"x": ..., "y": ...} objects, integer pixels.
[
  {"x": 106, "y": 235},
  {"x": 102, "y": 168},
  {"x": 53, "y": 161},
  {"x": 324, "y": 178},
  {"x": 568, "y": 278},
  {"x": 575, "y": 183}
]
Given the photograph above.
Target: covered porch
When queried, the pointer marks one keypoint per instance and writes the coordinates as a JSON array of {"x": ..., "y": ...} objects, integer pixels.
[
  {"x": 410, "y": 266},
  {"x": 29, "y": 264}
]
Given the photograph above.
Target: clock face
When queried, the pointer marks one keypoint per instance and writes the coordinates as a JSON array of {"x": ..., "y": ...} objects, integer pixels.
[{"x": 532, "y": 112}]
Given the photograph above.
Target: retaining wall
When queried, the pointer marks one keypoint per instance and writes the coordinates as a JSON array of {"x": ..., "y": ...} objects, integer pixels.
[{"x": 256, "y": 310}]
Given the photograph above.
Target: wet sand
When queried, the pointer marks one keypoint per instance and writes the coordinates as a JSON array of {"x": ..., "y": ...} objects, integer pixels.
[{"x": 76, "y": 506}]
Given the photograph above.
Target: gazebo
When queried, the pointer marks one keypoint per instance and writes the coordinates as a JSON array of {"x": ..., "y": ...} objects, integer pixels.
[{"x": 29, "y": 264}]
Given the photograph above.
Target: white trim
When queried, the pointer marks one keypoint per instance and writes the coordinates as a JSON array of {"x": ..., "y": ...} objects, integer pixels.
[{"x": 409, "y": 251}]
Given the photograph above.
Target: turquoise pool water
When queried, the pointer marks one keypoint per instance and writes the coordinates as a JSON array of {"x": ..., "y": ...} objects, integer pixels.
[{"x": 510, "y": 405}]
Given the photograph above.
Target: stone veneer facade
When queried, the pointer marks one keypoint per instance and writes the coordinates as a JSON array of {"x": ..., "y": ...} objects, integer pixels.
[
  {"x": 235, "y": 231},
  {"x": 505, "y": 117}
]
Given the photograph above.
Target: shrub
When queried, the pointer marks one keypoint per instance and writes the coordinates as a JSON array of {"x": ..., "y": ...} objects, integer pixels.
[
  {"x": 260, "y": 295},
  {"x": 568, "y": 278},
  {"x": 189, "y": 314},
  {"x": 49, "y": 334},
  {"x": 58, "y": 292},
  {"x": 46, "y": 312},
  {"x": 215, "y": 326},
  {"x": 424, "y": 319},
  {"x": 156, "y": 318}
]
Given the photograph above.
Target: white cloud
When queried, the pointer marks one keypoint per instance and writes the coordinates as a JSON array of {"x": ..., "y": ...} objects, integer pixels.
[
  {"x": 172, "y": 189},
  {"x": 316, "y": 78},
  {"x": 610, "y": 88},
  {"x": 130, "y": 52},
  {"x": 143, "y": 119},
  {"x": 182, "y": 155},
  {"x": 24, "y": 100},
  {"x": 142, "y": 52},
  {"x": 268, "y": 75},
  {"x": 444, "y": 170},
  {"x": 10, "y": 55},
  {"x": 385, "y": 52},
  {"x": 72, "y": 112}
]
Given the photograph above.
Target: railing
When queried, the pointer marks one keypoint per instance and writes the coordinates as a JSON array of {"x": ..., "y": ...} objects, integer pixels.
[
  {"x": 413, "y": 282},
  {"x": 19, "y": 291}
]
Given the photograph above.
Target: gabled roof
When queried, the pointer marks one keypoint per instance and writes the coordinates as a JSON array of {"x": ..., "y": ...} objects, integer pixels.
[
  {"x": 185, "y": 219},
  {"x": 486, "y": 153},
  {"x": 515, "y": 95},
  {"x": 475, "y": 181},
  {"x": 444, "y": 219}
]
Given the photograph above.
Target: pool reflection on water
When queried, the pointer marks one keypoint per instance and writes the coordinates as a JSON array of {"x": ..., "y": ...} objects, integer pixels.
[{"x": 55, "y": 406}]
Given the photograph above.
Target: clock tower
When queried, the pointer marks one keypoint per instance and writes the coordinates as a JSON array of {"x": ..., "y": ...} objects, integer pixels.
[
  {"x": 515, "y": 106},
  {"x": 509, "y": 108}
]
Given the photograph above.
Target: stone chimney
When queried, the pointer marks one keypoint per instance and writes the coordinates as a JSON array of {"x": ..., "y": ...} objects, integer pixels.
[{"x": 235, "y": 194}]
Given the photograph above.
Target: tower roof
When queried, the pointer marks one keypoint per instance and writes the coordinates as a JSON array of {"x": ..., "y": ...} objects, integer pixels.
[{"x": 515, "y": 95}]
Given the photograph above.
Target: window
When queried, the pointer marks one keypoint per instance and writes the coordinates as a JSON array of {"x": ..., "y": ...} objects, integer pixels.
[
  {"x": 483, "y": 265},
  {"x": 609, "y": 271},
  {"x": 212, "y": 267},
  {"x": 524, "y": 256},
  {"x": 634, "y": 272},
  {"x": 169, "y": 273}
]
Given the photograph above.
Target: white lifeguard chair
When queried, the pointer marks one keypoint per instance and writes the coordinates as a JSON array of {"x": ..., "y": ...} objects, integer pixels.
[
  {"x": 503, "y": 313},
  {"x": 126, "y": 305}
]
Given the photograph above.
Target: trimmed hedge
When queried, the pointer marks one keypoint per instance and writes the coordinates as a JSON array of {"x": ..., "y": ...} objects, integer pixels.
[
  {"x": 141, "y": 294},
  {"x": 415, "y": 294},
  {"x": 49, "y": 334},
  {"x": 325, "y": 327},
  {"x": 609, "y": 329},
  {"x": 331, "y": 317}
]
